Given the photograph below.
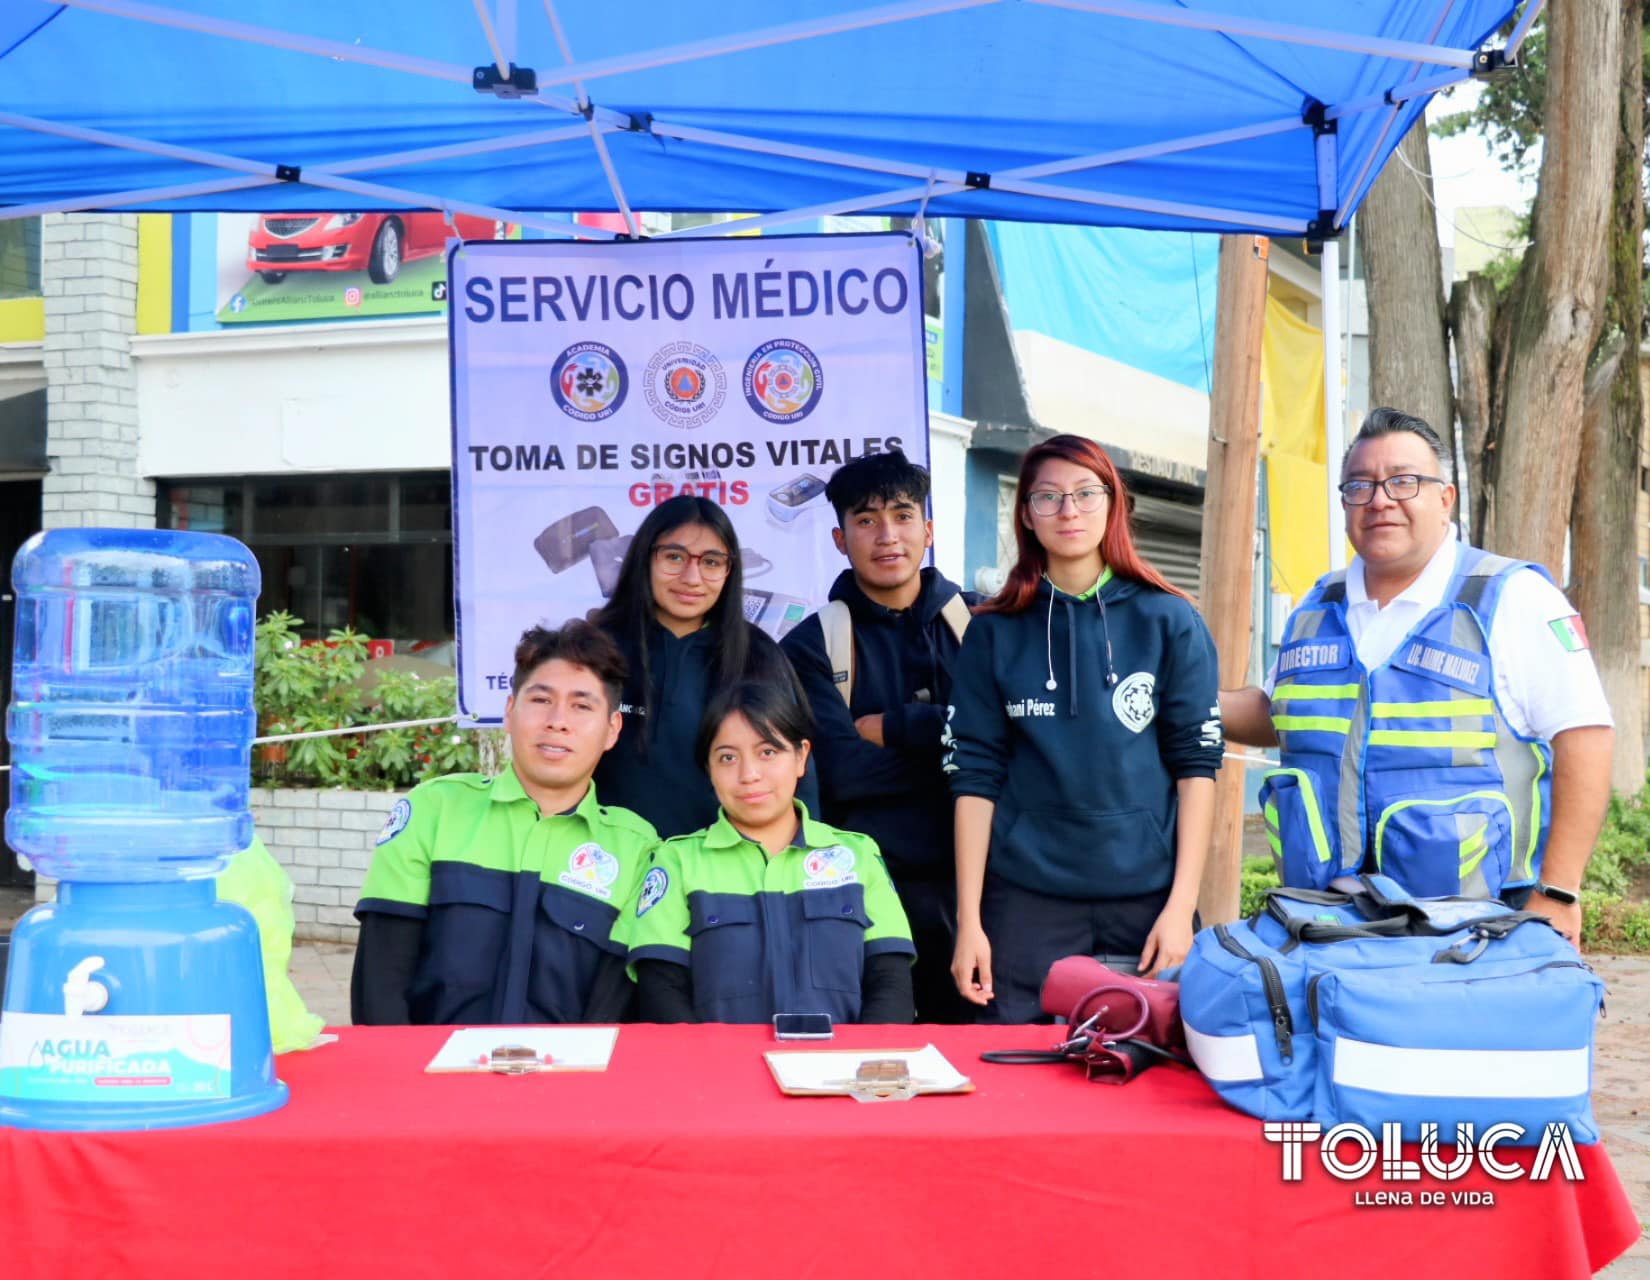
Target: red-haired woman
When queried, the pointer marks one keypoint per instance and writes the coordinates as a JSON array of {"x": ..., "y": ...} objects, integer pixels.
[{"x": 1083, "y": 741}]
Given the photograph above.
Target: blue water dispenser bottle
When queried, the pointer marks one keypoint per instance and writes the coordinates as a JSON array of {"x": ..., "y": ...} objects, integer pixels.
[{"x": 136, "y": 1000}]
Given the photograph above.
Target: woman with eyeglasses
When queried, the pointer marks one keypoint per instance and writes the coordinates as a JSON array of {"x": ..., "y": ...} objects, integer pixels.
[
  {"x": 677, "y": 615},
  {"x": 1083, "y": 743}
]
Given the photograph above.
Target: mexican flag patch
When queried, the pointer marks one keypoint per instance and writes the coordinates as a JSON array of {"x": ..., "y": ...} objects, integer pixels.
[{"x": 1571, "y": 634}]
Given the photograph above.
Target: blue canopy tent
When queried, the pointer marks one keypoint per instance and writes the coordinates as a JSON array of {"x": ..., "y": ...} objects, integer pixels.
[{"x": 1269, "y": 116}]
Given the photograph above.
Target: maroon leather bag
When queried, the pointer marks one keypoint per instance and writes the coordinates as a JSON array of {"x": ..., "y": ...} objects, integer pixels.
[
  {"x": 1126, "y": 1005},
  {"x": 1118, "y": 1024}
]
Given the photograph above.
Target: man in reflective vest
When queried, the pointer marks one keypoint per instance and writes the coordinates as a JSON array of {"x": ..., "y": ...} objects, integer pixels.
[{"x": 1438, "y": 712}]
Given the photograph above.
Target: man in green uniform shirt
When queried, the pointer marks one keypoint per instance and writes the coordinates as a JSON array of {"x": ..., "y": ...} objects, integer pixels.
[{"x": 492, "y": 900}]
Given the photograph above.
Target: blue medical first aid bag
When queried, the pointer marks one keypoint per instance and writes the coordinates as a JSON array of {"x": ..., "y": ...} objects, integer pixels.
[{"x": 1371, "y": 1007}]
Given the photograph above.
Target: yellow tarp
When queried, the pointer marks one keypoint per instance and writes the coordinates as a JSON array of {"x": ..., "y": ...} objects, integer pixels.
[{"x": 1291, "y": 440}]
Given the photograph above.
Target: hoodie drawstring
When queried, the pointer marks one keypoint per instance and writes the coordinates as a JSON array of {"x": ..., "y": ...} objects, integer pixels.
[
  {"x": 1105, "y": 630},
  {"x": 1071, "y": 647},
  {"x": 1048, "y": 642}
]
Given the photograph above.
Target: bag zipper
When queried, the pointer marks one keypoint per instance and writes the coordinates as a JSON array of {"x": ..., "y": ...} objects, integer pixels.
[{"x": 1283, "y": 1026}]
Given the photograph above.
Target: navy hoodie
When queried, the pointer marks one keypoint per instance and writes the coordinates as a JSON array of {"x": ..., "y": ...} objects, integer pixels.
[
  {"x": 655, "y": 774},
  {"x": 903, "y": 660},
  {"x": 1083, "y": 775}
]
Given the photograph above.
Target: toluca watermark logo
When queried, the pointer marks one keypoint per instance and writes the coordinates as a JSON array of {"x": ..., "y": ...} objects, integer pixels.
[{"x": 1350, "y": 1152}]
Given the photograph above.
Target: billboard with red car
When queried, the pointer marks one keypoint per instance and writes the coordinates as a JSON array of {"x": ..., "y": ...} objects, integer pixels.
[{"x": 318, "y": 266}]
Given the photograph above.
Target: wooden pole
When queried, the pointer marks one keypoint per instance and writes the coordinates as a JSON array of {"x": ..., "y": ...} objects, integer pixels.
[{"x": 1226, "y": 582}]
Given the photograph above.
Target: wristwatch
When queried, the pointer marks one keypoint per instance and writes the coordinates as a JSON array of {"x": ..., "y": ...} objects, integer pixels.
[{"x": 1564, "y": 897}]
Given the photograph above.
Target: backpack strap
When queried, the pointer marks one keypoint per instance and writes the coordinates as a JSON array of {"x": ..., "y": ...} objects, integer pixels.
[
  {"x": 956, "y": 615},
  {"x": 837, "y": 625}
]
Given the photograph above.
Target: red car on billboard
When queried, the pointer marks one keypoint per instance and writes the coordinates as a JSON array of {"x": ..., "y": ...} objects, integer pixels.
[{"x": 377, "y": 243}]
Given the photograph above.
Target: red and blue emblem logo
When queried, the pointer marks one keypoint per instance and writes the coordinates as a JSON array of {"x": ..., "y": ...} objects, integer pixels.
[{"x": 783, "y": 380}]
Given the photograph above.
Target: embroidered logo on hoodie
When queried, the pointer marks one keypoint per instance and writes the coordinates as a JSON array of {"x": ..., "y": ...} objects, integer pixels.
[{"x": 1132, "y": 701}]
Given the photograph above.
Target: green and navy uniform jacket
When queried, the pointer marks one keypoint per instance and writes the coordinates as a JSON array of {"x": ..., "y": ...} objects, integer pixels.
[
  {"x": 1084, "y": 774},
  {"x": 518, "y": 907},
  {"x": 1410, "y": 769},
  {"x": 762, "y": 935}
]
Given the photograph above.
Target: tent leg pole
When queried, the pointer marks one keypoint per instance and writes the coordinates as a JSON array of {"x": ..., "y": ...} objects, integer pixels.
[
  {"x": 1334, "y": 407},
  {"x": 1224, "y": 585}
]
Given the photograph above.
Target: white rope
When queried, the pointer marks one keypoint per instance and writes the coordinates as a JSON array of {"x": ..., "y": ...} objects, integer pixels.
[{"x": 354, "y": 728}]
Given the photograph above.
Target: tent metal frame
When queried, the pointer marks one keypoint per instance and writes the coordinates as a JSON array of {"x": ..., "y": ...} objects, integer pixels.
[{"x": 500, "y": 37}]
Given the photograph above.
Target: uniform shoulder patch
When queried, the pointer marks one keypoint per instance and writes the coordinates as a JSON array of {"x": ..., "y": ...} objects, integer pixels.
[
  {"x": 1132, "y": 701},
  {"x": 396, "y": 823},
  {"x": 654, "y": 885},
  {"x": 1570, "y": 632}
]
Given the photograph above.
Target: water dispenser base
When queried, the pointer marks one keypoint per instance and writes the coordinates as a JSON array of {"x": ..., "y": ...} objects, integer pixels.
[{"x": 135, "y": 1006}]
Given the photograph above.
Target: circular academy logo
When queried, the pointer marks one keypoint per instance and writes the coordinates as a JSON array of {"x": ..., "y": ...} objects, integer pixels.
[
  {"x": 589, "y": 381},
  {"x": 685, "y": 385},
  {"x": 783, "y": 380}
]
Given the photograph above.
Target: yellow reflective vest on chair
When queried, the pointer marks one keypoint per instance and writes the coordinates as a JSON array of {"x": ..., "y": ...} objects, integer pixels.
[{"x": 1409, "y": 769}]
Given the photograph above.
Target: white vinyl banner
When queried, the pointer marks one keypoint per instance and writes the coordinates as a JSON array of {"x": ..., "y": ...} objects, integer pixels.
[{"x": 592, "y": 381}]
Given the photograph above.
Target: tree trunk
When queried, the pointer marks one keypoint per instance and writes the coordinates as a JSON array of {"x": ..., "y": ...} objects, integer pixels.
[
  {"x": 1404, "y": 272},
  {"x": 1472, "y": 320},
  {"x": 1603, "y": 534},
  {"x": 1556, "y": 308}
]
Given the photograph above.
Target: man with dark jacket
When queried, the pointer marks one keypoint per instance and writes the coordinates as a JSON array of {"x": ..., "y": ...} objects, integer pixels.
[{"x": 876, "y": 663}]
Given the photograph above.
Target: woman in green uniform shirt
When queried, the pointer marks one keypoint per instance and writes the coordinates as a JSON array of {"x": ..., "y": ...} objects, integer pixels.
[{"x": 767, "y": 911}]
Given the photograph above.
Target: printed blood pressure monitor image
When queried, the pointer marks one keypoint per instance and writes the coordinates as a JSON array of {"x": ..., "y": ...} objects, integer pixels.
[
  {"x": 567, "y": 541},
  {"x": 607, "y": 558},
  {"x": 786, "y": 501},
  {"x": 775, "y": 612}
]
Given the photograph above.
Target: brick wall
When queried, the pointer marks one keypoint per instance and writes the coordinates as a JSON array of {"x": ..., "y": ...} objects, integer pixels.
[
  {"x": 324, "y": 839},
  {"x": 89, "y": 281}
]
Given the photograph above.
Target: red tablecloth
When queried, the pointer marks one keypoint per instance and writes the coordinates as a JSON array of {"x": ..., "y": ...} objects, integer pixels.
[{"x": 684, "y": 1160}]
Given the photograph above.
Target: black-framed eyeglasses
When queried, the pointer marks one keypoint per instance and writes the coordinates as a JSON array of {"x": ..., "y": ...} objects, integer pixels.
[
  {"x": 1049, "y": 502},
  {"x": 673, "y": 561},
  {"x": 1400, "y": 488}
]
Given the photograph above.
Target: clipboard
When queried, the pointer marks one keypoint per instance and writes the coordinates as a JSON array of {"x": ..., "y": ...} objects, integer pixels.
[{"x": 864, "y": 1074}]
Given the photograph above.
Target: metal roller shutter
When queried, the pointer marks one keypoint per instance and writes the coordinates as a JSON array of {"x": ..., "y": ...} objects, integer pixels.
[{"x": 1169, "y": 535}]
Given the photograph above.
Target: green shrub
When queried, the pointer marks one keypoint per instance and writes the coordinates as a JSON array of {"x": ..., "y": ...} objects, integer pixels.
[
  {"x": 1623, "y": 845},
  {"x": 1610, "y": 923},
  {"x": 1255, "y": 877},
  {"x": 301, "y": 688}
]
